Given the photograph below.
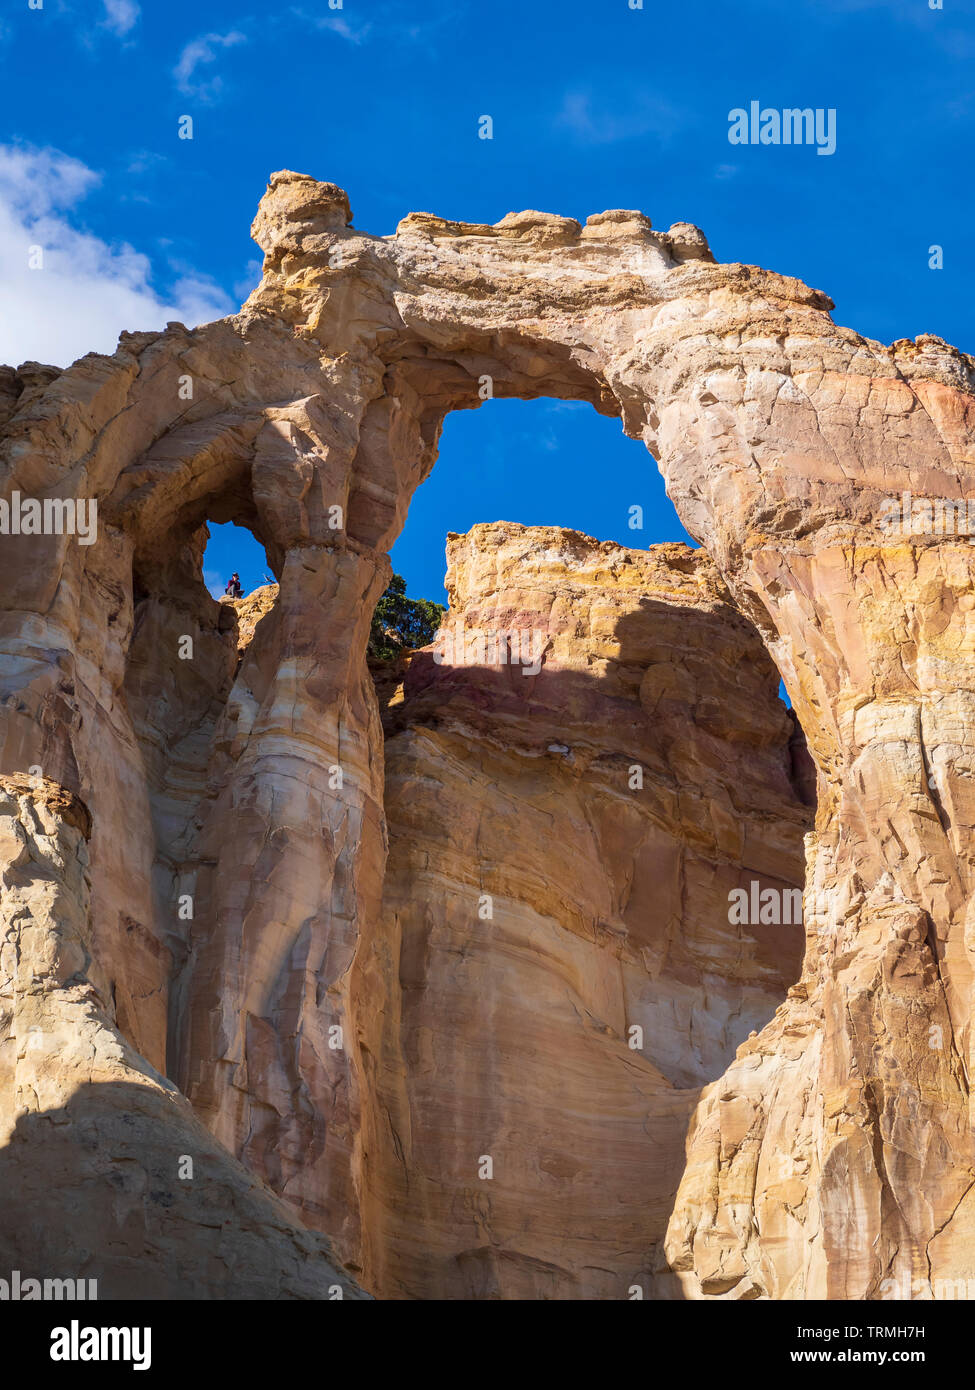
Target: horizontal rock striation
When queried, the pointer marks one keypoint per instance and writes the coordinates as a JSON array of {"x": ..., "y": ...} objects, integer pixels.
[
  {"x": 555, "y": 974},
  {"x": 834, "y": 1157},
  {"x": 107, "y": 1174}
]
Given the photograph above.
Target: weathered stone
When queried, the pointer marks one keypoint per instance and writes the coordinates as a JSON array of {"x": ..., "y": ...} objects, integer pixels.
[
  {"x": 555, "y": 974},
  {"x": 835, "y": 1156},
  {"x": 107, "y": 1175}
]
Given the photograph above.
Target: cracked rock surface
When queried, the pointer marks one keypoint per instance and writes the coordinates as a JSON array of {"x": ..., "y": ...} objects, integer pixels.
[
  {"x": 555, "y": 976},
  {"x": 833, "y": 1155}
]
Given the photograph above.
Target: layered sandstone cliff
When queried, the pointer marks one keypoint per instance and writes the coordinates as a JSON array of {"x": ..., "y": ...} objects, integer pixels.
[
  {"x": 107, "y": 1176},
  {"x": 555, "y": 974},
  {"x": 237, "y": 840}
]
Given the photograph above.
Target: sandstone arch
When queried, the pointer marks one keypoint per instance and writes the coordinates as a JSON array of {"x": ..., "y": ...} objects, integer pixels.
[{"x": 848, "y": 1159}]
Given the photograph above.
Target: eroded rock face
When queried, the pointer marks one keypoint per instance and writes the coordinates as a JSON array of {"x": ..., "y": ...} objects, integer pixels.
[
  {"x": 107, "y": 1173},
  {"x": 555, "y": 975},
  {"x": 835, "y": 1157}
]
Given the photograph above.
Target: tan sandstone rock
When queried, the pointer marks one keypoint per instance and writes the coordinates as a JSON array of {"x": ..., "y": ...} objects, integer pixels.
[
  {"x": 834, "y": 1158},
  {"x": 106, "y": 1173},
  {"x": 555, "y": 974}
]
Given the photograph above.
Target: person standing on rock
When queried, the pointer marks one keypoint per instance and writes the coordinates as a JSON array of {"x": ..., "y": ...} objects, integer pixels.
[{"x": 234, "y": 587}]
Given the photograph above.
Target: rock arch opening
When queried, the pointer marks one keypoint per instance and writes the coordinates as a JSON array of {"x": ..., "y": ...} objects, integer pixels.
[
  {"x": 584, "y": 774},
  {"x": 782, "y": 435},
  {"x": 540, "y": 462},
  {"x": 188, "y": 694},
  {"x": 234, "y": 549}
]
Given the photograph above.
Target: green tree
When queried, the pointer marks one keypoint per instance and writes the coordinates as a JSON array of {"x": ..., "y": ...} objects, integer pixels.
[{"x": 400, "y": 623}]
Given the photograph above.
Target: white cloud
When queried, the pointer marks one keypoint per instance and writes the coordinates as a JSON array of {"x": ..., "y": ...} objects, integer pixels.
[
  {"x": 34, "y": 182},
  {"x": 344, "y": 28},
  {"x": 250, "y": 279},
  {"x": 86, "y": 291},
  {"x": 634, "y": 114},
  {"x": 338, "y": 24},
  {"x": 198, "y": 52},
  {"x": 120, "y": 16},
  {"x": 145, "y": 161},
  {"x": 386, "y": 21}
]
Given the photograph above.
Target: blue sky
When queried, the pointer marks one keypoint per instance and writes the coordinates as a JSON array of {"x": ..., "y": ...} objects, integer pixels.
[{"x": 594, "y": 105}]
